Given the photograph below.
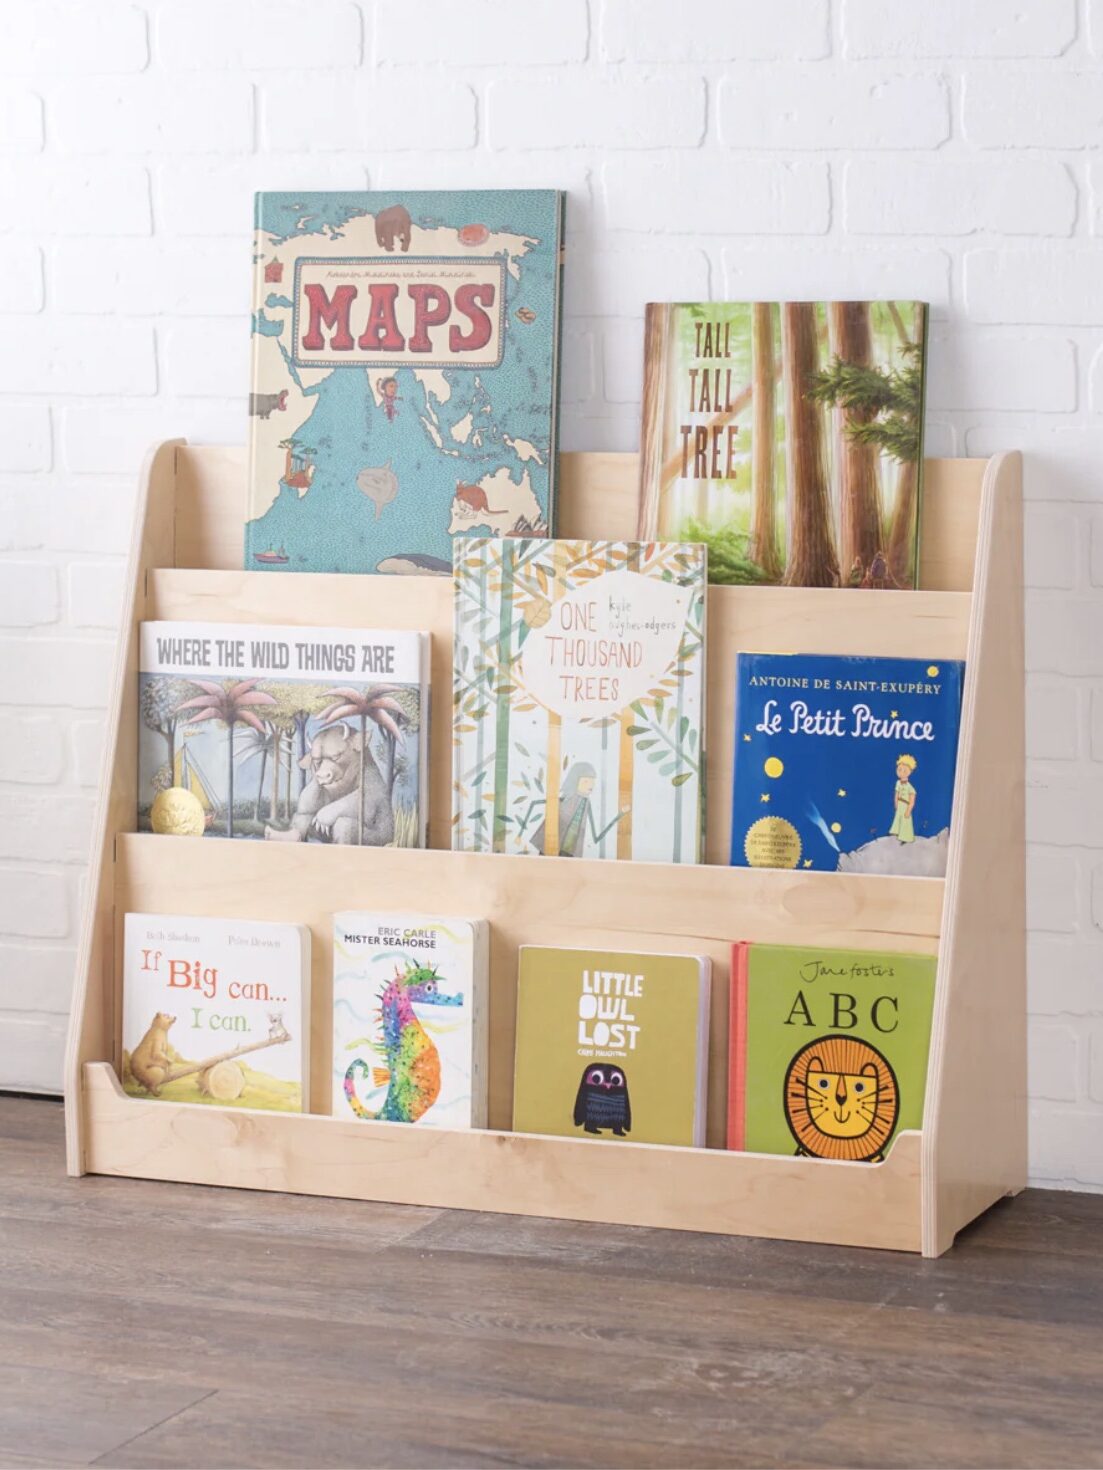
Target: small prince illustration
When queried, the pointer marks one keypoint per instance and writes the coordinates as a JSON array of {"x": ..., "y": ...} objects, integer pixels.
[{"x": 902, "y": 827}]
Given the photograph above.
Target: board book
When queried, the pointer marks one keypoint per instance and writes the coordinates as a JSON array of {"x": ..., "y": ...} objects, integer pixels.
[
  {"x": 404, "y": 376},
  {"x": 216, "y": 1011},
  {"x": 579, "y": 699},
  {"x": 788, "y": 436},
  {"x": 612, "y": 1045},
  {"x": 845, "y": 763},
  {"x": 410, "y": 1019},
  {"x": 283, "y": 734},
  {"x": 828, "y": 1049}
]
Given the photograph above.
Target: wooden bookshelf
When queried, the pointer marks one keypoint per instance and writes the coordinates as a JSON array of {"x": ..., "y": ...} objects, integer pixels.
[{"x": 185, "y": 563}]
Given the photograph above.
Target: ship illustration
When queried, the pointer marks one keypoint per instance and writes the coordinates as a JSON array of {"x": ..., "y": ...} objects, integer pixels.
[{"x": 272, "y": 558}]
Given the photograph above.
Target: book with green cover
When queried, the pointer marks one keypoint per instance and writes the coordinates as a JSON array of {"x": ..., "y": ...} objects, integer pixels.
[
  {"x": 828, "y": 1049},
  {"x": 612, "y": 1045}
]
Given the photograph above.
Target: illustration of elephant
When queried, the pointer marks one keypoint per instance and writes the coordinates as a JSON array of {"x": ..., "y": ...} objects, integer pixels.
[
  {"x": 393, "y": 224},
  {"x": 328, "y": 808}
]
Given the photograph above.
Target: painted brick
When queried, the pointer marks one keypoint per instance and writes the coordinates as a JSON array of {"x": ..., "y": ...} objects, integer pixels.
[
  {"x": 1070, "y": 1141},
  {"x": 1061, "y": 462},
  {"x": 1035, "y": 284},
  {"x": 955, "y": 196},
  {"x": 959, "y": 28},
  {"x": 1064, "y": 805},
  {"x": 53, "y": 671},
  {"x": 88, "y": 738},
  {"x": 1064, "y": 975},
  {"x": 34, "y": 904},
  {"x": 978, "y": 370},
  {"x": 23, "y": 518},
  {"x": 91, "y": 518},
  {"x": 28, "y": 594},
  {"x": 619, "y": 282},
  {"x": 150, "y": 277},
  {"x": 739, "y": 30},
  {"x": 1051, "y": 536},
  {"x": 377, "y": 112},
  {"x": 1095, "y": 1084},
  {"x": 215, "y": 196},
  {"x": 1064, "y": 635},
  {"x": 72, "y": 37},
  {"x": 26, "y": 436},
  {"x": 836, "y": 272},
  {"x": 1052, "y": 720},
  {"x": 208, "y": 35},
  {"x": 1097, "y": 725},
  {"x": 37, "y": 978},
  {"x": 21, "y": 287},
  {"x": 94, "y": 443},
  {"x": 480, "y": 33},
  {"x": 697, "y": 194},
  {"x": 20, "y": 120},
  {"x": 36, "y": 1046},
  {"x": 205, "y": 356},
  {"x": 1052, "y": 891},
  {"x": 32, "y": 749},
  {"x": 622, "y": 362},
  {"x": 145, "y": 115},
  {"x": 1053, "y": 1061},
  {"x": 1052, "y": 107},
  {"x": 85, "y": 356},
  {"x": 1095, "y": 382},
  {"x": 96, "y": 593},
  {"x": 816, "y": 107},
  {"x": 578, "y": 377},
  {"x": 39, "y": 829},
  {"x": 575, "y": 111},
  {"x": 71, "y": 197}
]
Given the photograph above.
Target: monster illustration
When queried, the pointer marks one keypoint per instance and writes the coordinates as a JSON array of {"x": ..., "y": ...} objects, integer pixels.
[
  {"x": 329, "y": 806},
  {"x": 412, "y": 1070},
  {"x": 841, "y": 1100},
  {"x": 602, "y": 1100}
]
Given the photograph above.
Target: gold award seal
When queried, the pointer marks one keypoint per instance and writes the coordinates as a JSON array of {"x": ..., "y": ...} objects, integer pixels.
[
  {"x": 177, "y": 812},
  {"x": 772, "y": 842}
]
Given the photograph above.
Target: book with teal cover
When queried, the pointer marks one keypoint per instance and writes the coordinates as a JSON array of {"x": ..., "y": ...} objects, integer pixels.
[
  {"x": 845, "y": 763},
  {"x": 828, "y": 1049},
  {"x": 404, "y": 376}
]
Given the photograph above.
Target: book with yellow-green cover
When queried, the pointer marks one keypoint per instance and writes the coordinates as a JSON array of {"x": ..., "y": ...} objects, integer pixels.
[
  {"x": 828, "y": 1049},
  {"x": 612, "y": 1045}
]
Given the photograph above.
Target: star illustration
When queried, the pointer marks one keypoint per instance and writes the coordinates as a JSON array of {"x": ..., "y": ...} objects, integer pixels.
[
  {"x": 765, "y": 797},
  {"x": 747, "y": 738},
  {"x": 840, "y": 792},
  {"x": 808, "y": 862},
  {"x": 894, "y": 713}
]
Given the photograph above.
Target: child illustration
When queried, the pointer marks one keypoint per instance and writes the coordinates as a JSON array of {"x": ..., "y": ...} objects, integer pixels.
[
  {"x": 902, "y": 827},
  {"x": 576, "y": 814},
  {"x": 389, "y": 400}
]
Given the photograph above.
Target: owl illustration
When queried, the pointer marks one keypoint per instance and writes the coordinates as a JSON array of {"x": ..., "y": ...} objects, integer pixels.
[{"x": 602, "y": 1100}]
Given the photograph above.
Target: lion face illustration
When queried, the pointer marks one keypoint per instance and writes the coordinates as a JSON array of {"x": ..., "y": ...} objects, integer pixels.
[{"x": 841, "y": 1099}]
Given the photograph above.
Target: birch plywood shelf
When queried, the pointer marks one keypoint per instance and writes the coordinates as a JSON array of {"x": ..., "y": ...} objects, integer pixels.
[{"x": 971, "y": 1150}]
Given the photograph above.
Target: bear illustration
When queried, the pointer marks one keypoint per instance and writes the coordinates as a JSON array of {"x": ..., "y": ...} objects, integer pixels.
[
  {"x": 150, "y": 1061},
  {"x": 392, "y": 224},
  {"x": 328, "y": 808}
]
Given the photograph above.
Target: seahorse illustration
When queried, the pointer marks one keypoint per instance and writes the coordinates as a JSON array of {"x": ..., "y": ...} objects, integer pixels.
[{"x": 412, "y": 1073}]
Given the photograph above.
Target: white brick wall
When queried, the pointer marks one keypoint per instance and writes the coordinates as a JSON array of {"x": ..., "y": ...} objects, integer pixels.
[{"x": 951, "y": 149}]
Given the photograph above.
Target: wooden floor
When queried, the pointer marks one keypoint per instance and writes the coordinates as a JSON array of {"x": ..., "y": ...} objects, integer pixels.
[{"x": 165, "y": 1325}]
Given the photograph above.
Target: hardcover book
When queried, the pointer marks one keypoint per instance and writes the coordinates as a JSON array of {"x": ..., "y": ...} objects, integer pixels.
[
  {"x": 844, "y": 763},
  {"x": 216, "y": 1011},
  {"x": 286, "y": 734},
  {"x": 788, "y": 437},
  {"x": 409, "y": 1019},
  {"x": 612, "y": 1045},
  {"x": 578, "y": 701},
  {"x": 404, "y": 376},
  {"x": 828, "y": 1049}
]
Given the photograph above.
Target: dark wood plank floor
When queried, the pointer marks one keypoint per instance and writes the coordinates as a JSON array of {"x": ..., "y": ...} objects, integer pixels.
[{"x": 163, "y": 1325}]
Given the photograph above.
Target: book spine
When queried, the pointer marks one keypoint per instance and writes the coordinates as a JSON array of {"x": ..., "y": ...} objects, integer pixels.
[
  {"x": 657, "y": 325},
  {"x": 737, "y": 1047}
]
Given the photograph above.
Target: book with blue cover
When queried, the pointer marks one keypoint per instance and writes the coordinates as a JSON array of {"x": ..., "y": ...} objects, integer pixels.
[
  {"x": 404, "y": 376},
  {"x": 845, "y": 763}
]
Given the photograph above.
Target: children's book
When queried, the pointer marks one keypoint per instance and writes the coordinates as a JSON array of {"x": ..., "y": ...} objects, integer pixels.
[
  {"x": 828, "y": 1049},
  {"x": 404, "y": 376},
  {"x": 285, "y": 734},
  {"x": 612, "y": 1045},
  {"x": 788, "y": 436},
  {"x": 579, "y": 699},
  {"x": 217, "y": 1011},
  {"x": 845, "y": 763},
  {"x": 410, "y": 1019}
]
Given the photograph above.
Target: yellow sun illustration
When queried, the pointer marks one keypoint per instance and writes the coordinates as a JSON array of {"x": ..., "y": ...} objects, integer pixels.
[
  {"x": 932, "y": 671},
  {"x": 773, "y": 767},
  {"x": 836, "y": 826}
]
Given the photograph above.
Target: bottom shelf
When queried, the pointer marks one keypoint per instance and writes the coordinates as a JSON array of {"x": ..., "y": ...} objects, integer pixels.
[{"x": 509, "y": 1173}]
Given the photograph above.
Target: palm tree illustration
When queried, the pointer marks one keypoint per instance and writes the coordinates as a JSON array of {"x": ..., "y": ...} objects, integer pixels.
[
  {"x": 376, "y": 703},
  {"x": 233, "y": 704}
]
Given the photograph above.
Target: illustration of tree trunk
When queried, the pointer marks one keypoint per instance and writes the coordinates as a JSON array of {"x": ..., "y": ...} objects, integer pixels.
[
  {"x": 555, "y": 722},
  {"x": 627, "y": 759},
  {"x": 275, "y": 774},
  {"x": 763, "y": 546},
  {"x": 901, "y": 548},
  {"x": 504, "y": 705},
  {"x": 260, "y": 782},
  {"x": 290, "y": 763},
  {"x": 170, "y": 736},
  {"x": 230, "y": 781},
  {"x": 860, "y": 531},
  {"x": 653, "y": 482},
  {"x": 363, "y": 763},
  {"x": 300, "y": 724},
  {"x": 812, "y": 561}
]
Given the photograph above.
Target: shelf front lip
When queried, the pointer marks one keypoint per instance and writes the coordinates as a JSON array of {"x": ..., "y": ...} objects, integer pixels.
[{"x": 710, "y": 1190}]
